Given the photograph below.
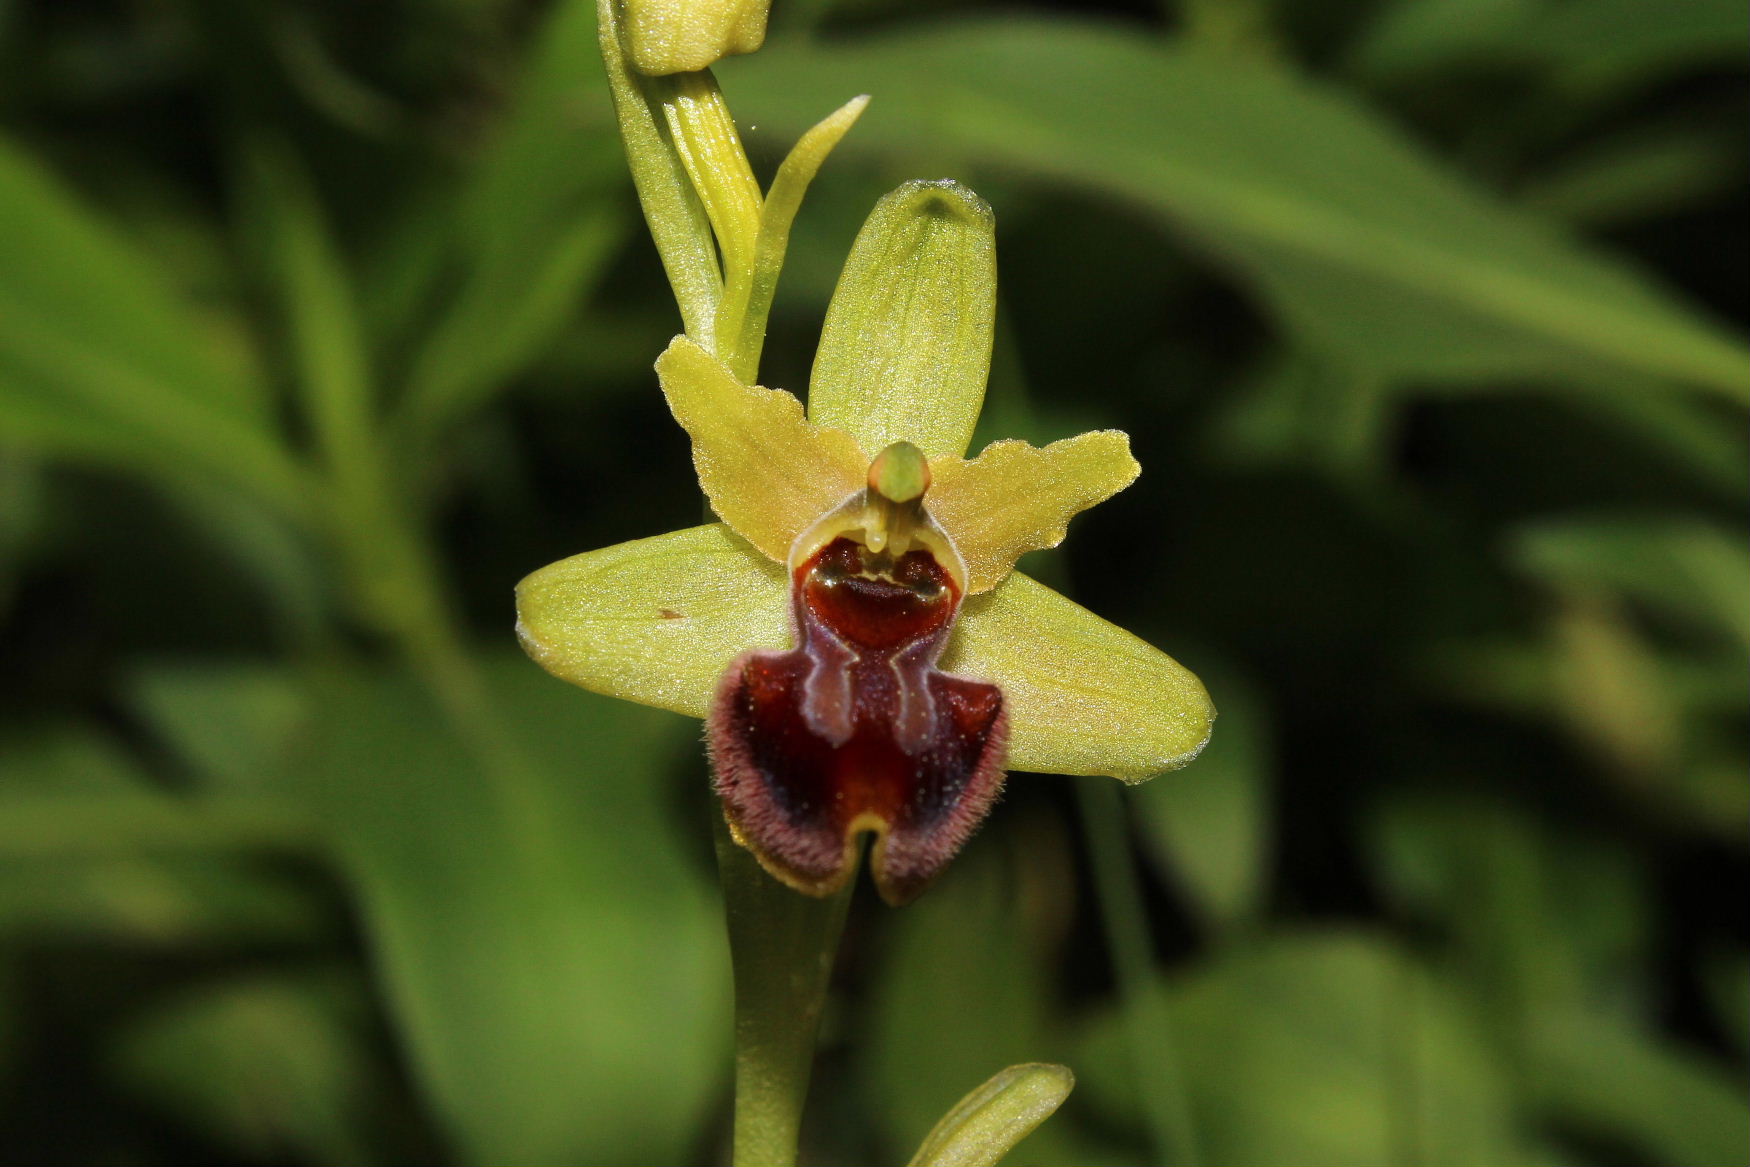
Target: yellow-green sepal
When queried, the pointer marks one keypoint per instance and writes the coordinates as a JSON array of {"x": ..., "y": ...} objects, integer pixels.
[
  {"x": 1083, "y": 695},
  {"x": 905, "y": 351},
  {"x": 655, "y": 621}
]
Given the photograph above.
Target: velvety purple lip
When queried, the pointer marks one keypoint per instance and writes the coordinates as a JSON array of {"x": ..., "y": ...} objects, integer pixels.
[{"x": 856, "y": 729}]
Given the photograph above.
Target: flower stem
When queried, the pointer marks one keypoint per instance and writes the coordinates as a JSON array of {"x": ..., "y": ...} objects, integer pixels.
[
  {"x": 781, "y": 944},
  {"x": 1121, "y": 911}
]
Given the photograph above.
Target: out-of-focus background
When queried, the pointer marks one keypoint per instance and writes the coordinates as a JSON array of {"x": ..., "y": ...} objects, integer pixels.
[{"x": 322, "y": 323}]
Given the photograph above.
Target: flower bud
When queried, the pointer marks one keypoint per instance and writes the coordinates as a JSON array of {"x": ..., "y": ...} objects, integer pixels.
[{"x": 685, "y": 36}]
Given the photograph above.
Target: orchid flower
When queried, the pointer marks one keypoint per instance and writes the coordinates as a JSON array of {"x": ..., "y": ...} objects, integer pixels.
[{"x": 853, "y": 631}]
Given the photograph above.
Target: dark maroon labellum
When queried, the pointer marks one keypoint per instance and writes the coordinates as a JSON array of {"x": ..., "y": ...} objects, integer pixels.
[{"x": 857, "y": 730}]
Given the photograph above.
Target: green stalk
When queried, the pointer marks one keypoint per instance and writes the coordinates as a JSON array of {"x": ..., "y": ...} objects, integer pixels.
[
  {"x": 781, "y": 945},
  {"x": 672, "y": 210},
  {"x": 722, "y": 245},
  {"x": 1121, "y": 911}
]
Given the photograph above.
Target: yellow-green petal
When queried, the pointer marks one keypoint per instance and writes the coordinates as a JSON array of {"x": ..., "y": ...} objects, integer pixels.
[
  {"x": 1083, "y": 695},
  {"x": 1015, "y": 498},
  {"x": 905, "y": 351},
  {"x": 655, "y": 621},
  {"x": 768, "y": 472}
]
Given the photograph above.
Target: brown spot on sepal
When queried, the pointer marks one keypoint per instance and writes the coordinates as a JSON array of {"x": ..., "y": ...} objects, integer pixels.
[
  {"x": 668, "y": 614},
  {"x": 856, "y": 730}
]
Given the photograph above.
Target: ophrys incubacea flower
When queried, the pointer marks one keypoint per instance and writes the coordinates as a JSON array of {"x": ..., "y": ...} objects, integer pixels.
[{"x": 854, "y": 631}]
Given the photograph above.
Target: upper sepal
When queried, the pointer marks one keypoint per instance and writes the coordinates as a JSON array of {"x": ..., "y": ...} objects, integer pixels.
[{"x": 905, "y": 351}]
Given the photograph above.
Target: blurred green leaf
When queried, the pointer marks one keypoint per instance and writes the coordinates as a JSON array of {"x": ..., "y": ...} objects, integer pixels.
[
  {"x": 1600, "y": 1077},
  {"x": 1664, "y": 723},
  {"x": 67, "y": 759},
  {"x": 1725, "y": 974},
  {"x": 1634, "y": 177},
  {"x": 312, "y": 69},
  {"x": 558, "y": 149},
  {"x": 71, "y": 825},
  {"x": 70, "y": 791},
  {"x": 550, "y": 950},
  {"x": 1521, "y": 678},
  {"x": 1416, "y": 36},
  {"x": 313, "y": 292},
  {"x": 1536, "y": 919},
  {"x": 1606, "y": 45},
  {"x": 1307, "y": 409},
  {"x": 1354, "y": 236},
  {"x": 370, "y": 514},
  {"x": 274, "y": 1068},
  {"x": 86, "y": 278},
  {"x": 99, "y": 358},
  {"x": 1210, "y": 824},
  {"x": 1550, "y": 927},
  {"x": 283, "y": 559},
  {"x": 1694, "y": 437},
  {"x": 1321, "y": 1048},
  {"x": 1597, "y": 45},
  {"x": 402, "y": 267},
  {"x": 21, "y": 518},
  {"x": 541, "y": 216},
  {"x": 958, "y": 992},
  {"x": 1156, "y": 1056},
  {"x": 166, "y": 902},
  {"x": 233, "y": 724},
  {"x": 1708, "y": 789},
  {"x": 1609, "y": 688},
  {"x": 508, "y": 310},
  {"x": 1677, "y": 565},
  {"x": 90, "y": 849}
]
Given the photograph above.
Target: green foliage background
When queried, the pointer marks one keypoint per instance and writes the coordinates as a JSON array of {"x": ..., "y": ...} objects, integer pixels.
[{"x": 322, "y": 323}]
